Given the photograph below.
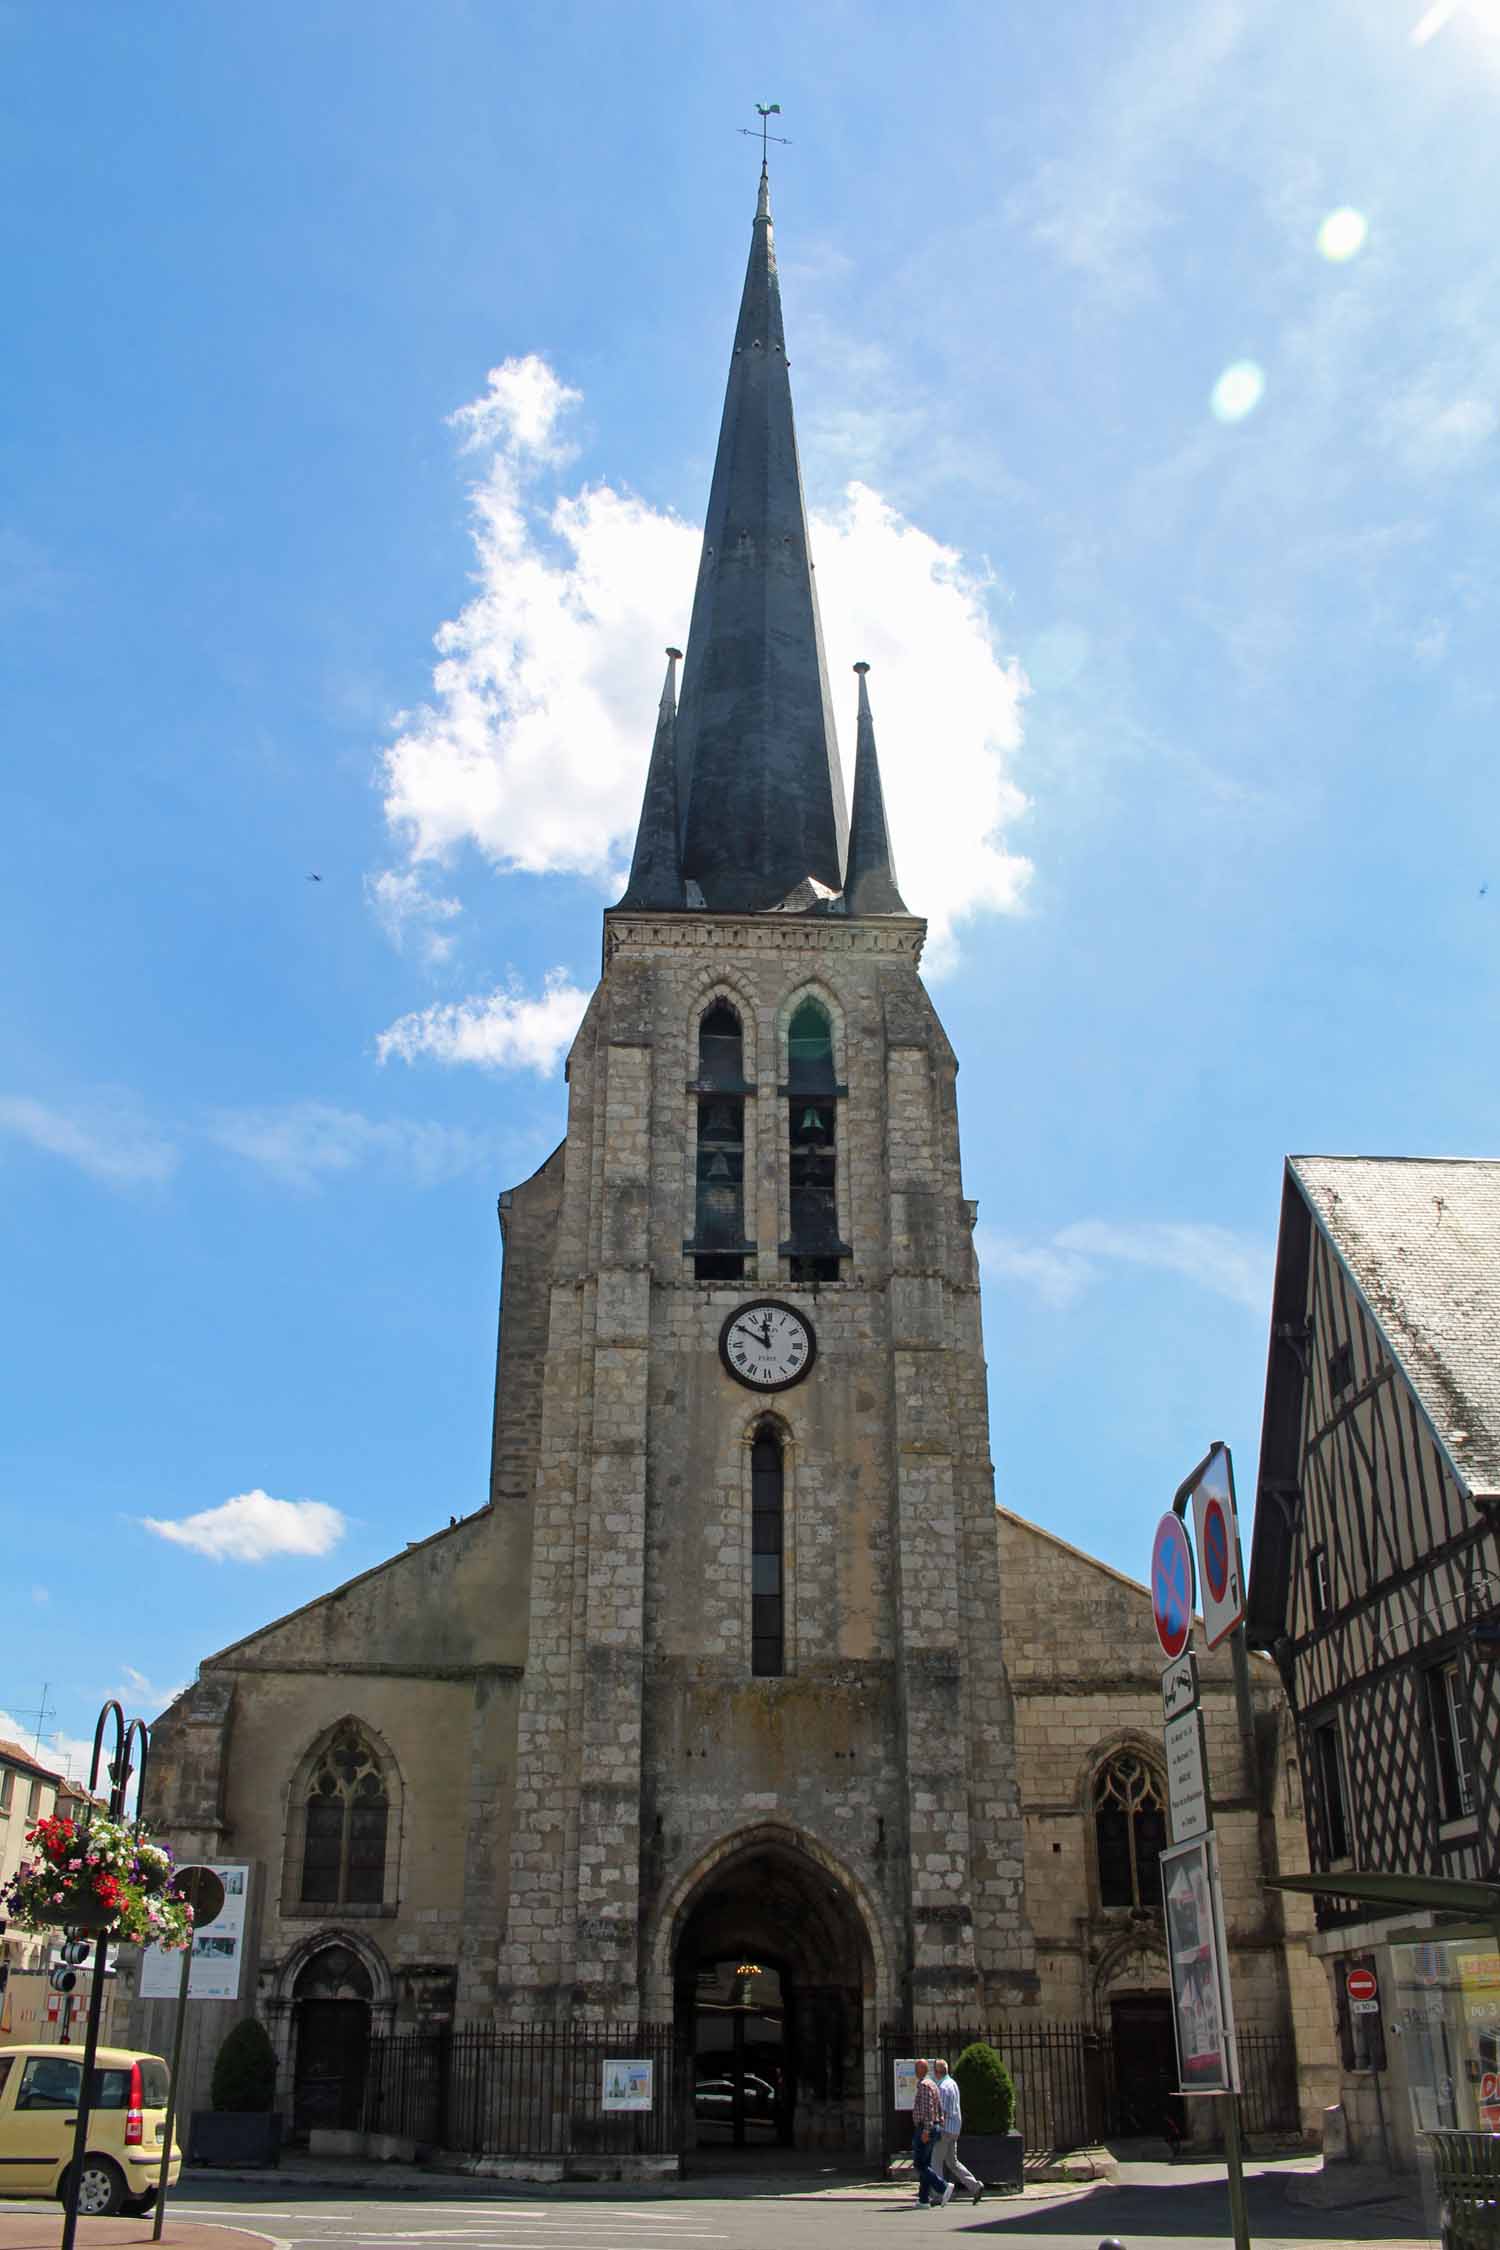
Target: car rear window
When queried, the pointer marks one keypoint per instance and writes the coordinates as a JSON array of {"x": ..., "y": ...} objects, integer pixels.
[{"x": 155, "y": 2079}]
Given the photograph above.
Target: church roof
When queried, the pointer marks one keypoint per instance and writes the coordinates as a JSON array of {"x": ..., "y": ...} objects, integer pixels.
[
  {"x": 870, "y": 879},
  {"x": 760, "y": 791}
]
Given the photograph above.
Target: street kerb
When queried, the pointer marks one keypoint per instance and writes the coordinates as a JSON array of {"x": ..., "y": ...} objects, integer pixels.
[{"x": 40, "y": 2229}]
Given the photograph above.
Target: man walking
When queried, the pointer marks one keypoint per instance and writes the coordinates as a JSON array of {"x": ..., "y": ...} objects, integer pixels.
[
  {"x": 926, "y": 2133},
  {"x": 952, "y": 2124}
]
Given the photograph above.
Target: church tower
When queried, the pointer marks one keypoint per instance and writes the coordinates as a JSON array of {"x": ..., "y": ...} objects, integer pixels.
[{"x": 765, "y": 1719}]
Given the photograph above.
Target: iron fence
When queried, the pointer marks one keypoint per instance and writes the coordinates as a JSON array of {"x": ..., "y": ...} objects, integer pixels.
[
  {"x": 534, "y": 2089},
  {"x": 1068, "y": 2085}
]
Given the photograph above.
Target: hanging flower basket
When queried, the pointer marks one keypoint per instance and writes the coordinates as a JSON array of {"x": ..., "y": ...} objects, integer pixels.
[{"x": 97, "y": 1875}]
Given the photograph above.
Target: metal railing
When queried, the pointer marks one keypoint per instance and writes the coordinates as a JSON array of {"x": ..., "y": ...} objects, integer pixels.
[{"x": 533, "y": 2089}]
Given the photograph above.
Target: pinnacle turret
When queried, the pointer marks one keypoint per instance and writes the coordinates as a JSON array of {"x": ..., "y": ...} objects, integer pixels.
[
  {"x": 870, "y": 885},
  {"x": 656, "y": 869}
]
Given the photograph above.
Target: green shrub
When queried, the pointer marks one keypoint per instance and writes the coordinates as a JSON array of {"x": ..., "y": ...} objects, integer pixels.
[
  {"x": 987, "y": 2090},
  {"x": 245, "y": 2071}
]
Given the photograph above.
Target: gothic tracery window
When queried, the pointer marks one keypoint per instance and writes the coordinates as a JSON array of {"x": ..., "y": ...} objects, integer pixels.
[
  {"x": 348, "y": 1814},
  {"x": 1130, "y": 1828}
]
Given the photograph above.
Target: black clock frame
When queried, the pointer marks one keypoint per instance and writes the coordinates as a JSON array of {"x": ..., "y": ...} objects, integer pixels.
[{"x": 769, "y": 1304}]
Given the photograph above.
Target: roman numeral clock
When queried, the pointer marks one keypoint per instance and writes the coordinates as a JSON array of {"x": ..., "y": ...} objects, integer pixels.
[{"x": 767, "y": 1345}]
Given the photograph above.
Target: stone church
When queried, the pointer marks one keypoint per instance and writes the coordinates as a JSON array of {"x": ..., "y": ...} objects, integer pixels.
[{"x": 715, "y": 1685}]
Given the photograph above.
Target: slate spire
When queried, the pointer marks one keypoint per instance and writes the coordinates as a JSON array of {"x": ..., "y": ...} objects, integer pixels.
[
  {"x": 760, "y": 792},
  {"x": 656, "y": 869},
  {"x": 870, "y": 885}
]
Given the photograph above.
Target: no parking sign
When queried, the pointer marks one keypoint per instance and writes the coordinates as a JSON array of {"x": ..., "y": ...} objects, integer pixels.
[{"x": 1221, "y": 1578}]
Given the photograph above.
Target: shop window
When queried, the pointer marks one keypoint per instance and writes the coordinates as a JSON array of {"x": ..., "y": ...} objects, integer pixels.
[{"x": 1130, "y": 1831}]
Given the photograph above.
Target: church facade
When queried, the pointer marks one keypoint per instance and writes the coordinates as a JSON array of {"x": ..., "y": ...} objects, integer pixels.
[{"x": 716, "y": 1681}]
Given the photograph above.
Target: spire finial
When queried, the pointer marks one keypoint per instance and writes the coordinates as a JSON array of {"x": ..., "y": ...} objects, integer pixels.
[
  {"x": 764, "y": 111},
  {"x": 870, "y": 882},
  {"x": 656, "y": 869}
]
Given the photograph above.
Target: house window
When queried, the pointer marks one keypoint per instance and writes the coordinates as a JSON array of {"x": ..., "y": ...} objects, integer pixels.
[
  {"x": 1340, "y": 1368},
  {"x": 719, "y": 1214},
  {"x": 34, "y": 1800},
  {"x": 767, "y": 1556},
  {"x": 812, "y": 1131},
  {"x": 7, "y": 1789},
  {"x": 348, "y": 1813},
  {"x": 1317, "y": 1573},
  {"x": 1329, "y": 1756},
  {"x": 1452, "y": 1740},
  {"x": 1130, "y": 1829}
]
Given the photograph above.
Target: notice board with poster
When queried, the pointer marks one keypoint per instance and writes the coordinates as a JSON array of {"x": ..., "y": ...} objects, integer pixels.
[
  {"x": 218, "y": 1947},
  {"x": 1198, "y": 1958}
]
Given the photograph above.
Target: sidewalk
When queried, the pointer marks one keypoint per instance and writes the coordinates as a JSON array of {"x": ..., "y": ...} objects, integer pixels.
[{"x": 40, "y": 2229}]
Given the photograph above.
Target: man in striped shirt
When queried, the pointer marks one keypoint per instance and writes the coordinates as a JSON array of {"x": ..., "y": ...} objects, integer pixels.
[{"x": 926, "y": 2132}]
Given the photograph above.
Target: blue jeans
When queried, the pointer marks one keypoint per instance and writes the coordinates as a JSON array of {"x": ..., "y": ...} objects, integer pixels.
[{"x": 930, "y": 2184}]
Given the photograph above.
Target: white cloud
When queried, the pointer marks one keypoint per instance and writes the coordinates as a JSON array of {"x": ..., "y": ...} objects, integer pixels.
[
  {"x": 534, "y": 746},
  {"x": 408, "y": 911},
  {"x": 140, "y": 1697},
  {"x": 110, "y": 1139},
  {"x": 253, "y": 1527},
  {"x": 1210, "y": 1257},
  {"x": 500, "y": 1030},
  {"x": 67, "y": 1754},
  {"x": 309, "y": 1142}
]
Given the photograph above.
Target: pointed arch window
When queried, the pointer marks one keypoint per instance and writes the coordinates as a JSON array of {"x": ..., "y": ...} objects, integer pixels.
[
  {"x": 812, "y": 1134},
  {"x": 347, "y": 1825},
  {"x": 1130, "y": 1830},
  {"x": 767, "y": 1555},
  {"x": 718, "y": 1242}
]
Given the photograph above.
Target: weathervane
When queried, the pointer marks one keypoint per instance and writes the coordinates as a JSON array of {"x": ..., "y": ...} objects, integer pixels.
[{"x": 764, "y": 110}]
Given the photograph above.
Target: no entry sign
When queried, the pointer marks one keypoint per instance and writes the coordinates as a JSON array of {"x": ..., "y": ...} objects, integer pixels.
[
  {"x": 1363, "y": 1990},
  {"x": 1172, "y": 1586}
]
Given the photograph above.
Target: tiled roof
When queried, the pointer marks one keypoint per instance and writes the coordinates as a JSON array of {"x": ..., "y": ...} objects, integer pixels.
[
  {"x": 11, "y": 1754},
  {"x": 1421, "y": 1237}
]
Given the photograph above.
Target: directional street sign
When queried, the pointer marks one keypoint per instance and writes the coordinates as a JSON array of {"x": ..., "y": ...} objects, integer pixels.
[
  {"x": 1221, "y": 1578},
  {"x": 1172, "y": 1586}
]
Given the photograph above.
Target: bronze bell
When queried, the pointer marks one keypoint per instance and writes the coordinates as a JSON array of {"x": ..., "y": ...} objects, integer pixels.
[
  {"x": 812, "y": 1122},
  {"x": 718, "y": 1168}
]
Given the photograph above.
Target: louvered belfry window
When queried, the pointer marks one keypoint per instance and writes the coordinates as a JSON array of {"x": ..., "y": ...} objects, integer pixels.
[
  {"x": 719, "y": 1216},
  {"x": 812, "y": 1127},
  {"x": 1130, "y": 1827},
  {"x": 348, "y": 1815}
]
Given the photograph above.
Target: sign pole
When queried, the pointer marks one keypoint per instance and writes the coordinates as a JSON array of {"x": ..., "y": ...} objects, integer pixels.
[
  {"x": 202, "y": 1890},
  {"x": 1239, "y": 2210}
]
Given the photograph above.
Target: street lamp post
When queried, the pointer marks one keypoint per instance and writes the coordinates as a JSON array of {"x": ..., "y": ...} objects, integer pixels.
[{"x": 120, "y": 1769}]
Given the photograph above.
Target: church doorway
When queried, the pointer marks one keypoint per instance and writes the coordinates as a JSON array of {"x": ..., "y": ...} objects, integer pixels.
[
  {"x": 771, "y": 1972},
  {"x": 331, "y": 2020},
  {"x": 1146, "y": 2066}
]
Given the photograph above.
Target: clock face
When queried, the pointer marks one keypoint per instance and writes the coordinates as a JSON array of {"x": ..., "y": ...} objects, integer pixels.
[{"x": 767, "y": 1345}]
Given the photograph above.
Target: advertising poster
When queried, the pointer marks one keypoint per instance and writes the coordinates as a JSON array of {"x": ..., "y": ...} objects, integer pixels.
[
  {"x": 218, "y": 1948},
  {"x": 627, "y": 2085},
  {"x": 1200, "y": 1983},
  {"x": 904, "y": 2070}
]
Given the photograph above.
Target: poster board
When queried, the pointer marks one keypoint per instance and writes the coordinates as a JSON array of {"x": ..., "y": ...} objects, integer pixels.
[
  {"x": 625, "y": 2085},
  {"x": 218, "y": 1947},
  {"x": 904, "y": 2082},
  {"x": 1198, "y": 1959}
]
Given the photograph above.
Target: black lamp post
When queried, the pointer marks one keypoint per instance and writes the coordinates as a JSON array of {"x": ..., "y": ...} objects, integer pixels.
[{"x": 120, "y": 1768}]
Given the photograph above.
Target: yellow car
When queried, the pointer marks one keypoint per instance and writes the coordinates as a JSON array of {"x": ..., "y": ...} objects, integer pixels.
[{"x": 127, "y": 2126}]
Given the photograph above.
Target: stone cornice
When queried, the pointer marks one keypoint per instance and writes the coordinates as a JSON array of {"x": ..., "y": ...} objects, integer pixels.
[{"x": 699, "y": 931}]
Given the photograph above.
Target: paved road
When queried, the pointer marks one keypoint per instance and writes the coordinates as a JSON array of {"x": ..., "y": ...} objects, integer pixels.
[{"x": 1178, "y": 2212}]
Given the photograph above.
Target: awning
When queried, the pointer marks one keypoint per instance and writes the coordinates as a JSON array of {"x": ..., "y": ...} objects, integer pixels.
[{"x": 1440, "y": 1894}]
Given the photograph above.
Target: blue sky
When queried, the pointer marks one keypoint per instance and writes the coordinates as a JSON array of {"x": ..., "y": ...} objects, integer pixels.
[{"x": 1188, "y": 716}]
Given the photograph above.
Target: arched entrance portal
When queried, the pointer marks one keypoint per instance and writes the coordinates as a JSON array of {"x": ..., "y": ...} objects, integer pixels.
[
  {"x": 331, "y": 2014},
  {"x": 773, "y": 1974}
]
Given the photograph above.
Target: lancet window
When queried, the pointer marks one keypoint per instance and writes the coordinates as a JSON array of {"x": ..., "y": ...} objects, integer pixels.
[
  {"x": 812, "y": 1132},
  {"x": 719, "y": 1219},
  {"x": 1130, "y": 1829},
  {"x": 767, "y": 1555},
  {"x": 348, "y": 1817}
]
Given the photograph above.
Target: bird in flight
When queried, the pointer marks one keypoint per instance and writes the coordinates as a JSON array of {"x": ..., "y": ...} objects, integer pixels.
[{"x": 315, "y": 878}]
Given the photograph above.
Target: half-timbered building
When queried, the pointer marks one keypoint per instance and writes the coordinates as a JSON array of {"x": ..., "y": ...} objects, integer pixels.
[{"x": 1375, "y": 1579}]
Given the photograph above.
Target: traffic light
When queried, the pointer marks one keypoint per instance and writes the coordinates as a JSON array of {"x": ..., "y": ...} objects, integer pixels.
[
  {"x": 72, "y": 1955},
  {"x": 63, "y": 1980},
  {"x": 75, "y": 1951}
]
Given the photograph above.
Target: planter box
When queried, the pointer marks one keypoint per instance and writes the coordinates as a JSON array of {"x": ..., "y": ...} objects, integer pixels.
[
  {"x": 996, "y": 2158},
  {"x": 235, "y": 2136}
]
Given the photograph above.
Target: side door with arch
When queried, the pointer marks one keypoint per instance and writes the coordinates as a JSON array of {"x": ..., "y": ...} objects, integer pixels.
[{"x": 332, "y": 2012}]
